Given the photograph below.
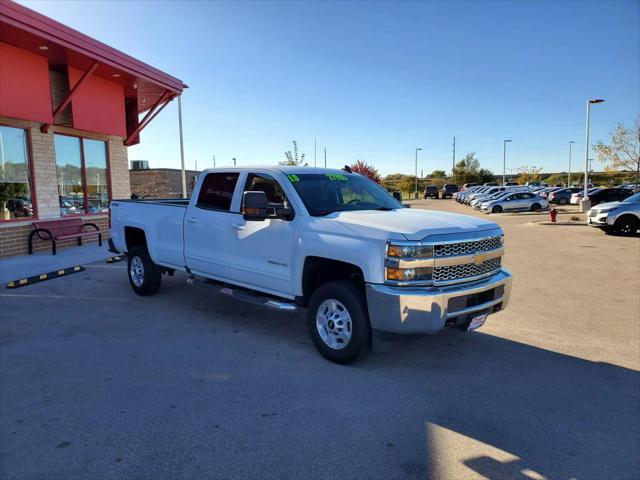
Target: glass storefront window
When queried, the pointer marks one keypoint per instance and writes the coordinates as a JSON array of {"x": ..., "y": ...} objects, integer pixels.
[
  {"x": 16, "y": 200},
  {"x": 95, "y": 161},
  {"x": 82, "y": 175}
]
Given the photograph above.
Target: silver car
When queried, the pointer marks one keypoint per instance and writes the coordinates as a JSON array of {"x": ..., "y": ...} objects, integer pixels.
[
  {"x": 516, "y": 202},
  {"x": 617, "y": 217}
]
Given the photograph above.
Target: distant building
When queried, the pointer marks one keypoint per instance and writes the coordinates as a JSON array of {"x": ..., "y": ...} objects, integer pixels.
[{"x": 158, "y": 182}]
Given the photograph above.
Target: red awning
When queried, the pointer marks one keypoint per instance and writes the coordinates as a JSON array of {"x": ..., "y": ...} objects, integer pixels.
[{"x": 64, "y": 47}]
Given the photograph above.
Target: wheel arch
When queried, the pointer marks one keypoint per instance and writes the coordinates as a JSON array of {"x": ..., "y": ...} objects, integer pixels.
[{"x": 320, "y": 270}]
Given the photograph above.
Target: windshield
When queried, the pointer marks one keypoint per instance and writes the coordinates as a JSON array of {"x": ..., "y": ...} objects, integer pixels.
[
  {"x": 632, "y": 199},
  {"x": 323, "y": 194}
]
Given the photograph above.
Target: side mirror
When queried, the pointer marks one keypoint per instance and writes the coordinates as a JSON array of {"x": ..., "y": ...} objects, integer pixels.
[
  {"x": 254, "y": 206},
  {"x": 397, "y": 195}
]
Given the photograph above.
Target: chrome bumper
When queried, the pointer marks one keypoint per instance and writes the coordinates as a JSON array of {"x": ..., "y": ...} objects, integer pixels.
[{"x": 430, "y": 309}]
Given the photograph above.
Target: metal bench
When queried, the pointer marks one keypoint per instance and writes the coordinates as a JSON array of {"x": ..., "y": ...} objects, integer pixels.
[{"x": 56, "y": 230}]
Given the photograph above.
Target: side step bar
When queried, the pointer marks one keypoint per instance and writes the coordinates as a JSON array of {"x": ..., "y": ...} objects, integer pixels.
[{"x": 244, "y": 295}]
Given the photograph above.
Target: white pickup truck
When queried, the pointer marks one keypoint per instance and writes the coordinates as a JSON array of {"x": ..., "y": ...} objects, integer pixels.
[{"x": 330, "y": 241}]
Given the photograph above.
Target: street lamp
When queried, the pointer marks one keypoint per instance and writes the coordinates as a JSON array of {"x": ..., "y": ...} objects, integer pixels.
[
  {"x": 585, "y": 203},
  {"x": 571, "y": 142},
  {"x": 417, "y": 149},
  {"x": 504, "y": 161}
]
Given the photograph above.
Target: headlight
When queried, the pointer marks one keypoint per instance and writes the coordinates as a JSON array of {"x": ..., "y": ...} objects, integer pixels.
[
  {"x": 409, "y": 251},
  {"x": 409, "y": 274},
  {"x": 408, "y": 262}
]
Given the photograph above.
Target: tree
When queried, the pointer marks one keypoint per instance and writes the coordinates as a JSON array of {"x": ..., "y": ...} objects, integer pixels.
[
  {"x": 466, "y": 170},
  {"x": 438, "y": 174},
  {"x": 292, "y": 158},
  {"x": 485, "y": 175},
  {"x": 369, "y": 171},
  {"x": 624, "y": 151},
  {"x": 528, "y": 174}
]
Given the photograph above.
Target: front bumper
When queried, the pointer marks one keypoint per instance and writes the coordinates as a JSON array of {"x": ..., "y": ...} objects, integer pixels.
[
  {"x": 412, "y": 310},
  {"x": 600, "y": 220}
]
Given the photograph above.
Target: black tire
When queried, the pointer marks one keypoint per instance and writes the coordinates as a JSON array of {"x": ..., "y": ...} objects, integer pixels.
[
  {"x": 353, "y": 300},
  {"x": 151, "y": 276},
  {"x": 563, "y": 201},
  {"x": 536, "y": 207},
  {"x": 496, "y": 209},
  {"x": 626, "y": 225}
]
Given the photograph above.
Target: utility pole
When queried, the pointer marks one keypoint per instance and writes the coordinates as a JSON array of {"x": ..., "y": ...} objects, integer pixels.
[
  {"x": 184, "y": 175},
  {"x": 325, "y": 157},
  {"x": 196, "y": 169},
  {"x": 504, "y": 162},
  {"x": 569, "y": 176},
  {"x": 417, "y": 149},
  {"x": 315, "y": 161},
  {"x": 585, "y": 203},
  {"x": 234, "y": 161},
  {"x": 454, "y": 156}
]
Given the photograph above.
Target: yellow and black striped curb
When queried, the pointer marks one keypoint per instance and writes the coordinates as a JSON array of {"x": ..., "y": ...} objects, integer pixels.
[
  {"x": 115, "y": 259},
  {"x": 23, "y": 282}
]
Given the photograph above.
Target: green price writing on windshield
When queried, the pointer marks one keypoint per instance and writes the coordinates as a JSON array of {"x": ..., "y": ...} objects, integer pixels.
[
  {"x": 337, "y": 177},
  {"x": 293, "y": 178}
]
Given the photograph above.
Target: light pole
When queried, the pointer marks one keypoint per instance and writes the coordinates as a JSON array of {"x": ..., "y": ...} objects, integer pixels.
[
  {"x": 585, "y": 203},
  {"x": 504, "y": 161},
  {"x": 416, "y": 194},
  {"x": 571, "y": 142},
  {"x": 184, "y": 175}
]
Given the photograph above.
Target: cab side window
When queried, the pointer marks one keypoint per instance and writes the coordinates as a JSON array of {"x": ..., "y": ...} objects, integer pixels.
[
  {"x": 216, "y": 192},
  {"x": 264, "y": 183}
]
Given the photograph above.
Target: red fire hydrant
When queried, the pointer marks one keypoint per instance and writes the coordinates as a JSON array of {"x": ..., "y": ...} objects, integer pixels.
[{"x": 553, "y": 213}]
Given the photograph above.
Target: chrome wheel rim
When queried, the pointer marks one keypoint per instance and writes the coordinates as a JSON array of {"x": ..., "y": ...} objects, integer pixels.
[
  {"x": 334, "y": 324},
  {"x": 625, "y": 227},
  {"x": 136, "y": 270}
]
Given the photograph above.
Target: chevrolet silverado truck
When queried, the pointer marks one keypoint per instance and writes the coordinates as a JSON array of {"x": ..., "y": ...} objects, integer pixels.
[{"x": 330, "y": 241}]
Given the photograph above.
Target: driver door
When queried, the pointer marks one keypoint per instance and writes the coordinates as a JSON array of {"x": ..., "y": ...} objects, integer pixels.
[{"x": 261, "y": 252}]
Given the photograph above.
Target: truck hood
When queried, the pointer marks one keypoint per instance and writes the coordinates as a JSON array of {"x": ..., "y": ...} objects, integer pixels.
[{"x": 413, "y": 224}]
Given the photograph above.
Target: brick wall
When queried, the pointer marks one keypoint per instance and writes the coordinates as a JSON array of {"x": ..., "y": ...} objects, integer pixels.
[{"x": 14, "y": 237}]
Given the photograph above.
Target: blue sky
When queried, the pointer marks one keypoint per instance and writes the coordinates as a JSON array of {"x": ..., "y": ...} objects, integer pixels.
[{"x": 375, "y": 80}]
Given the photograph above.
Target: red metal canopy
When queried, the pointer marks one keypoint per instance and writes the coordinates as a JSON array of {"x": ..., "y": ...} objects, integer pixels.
[{"x": 145, "y": 87}]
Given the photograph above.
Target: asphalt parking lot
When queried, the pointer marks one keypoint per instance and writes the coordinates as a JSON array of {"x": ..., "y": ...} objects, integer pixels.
[{"x": 96, "y": 382}]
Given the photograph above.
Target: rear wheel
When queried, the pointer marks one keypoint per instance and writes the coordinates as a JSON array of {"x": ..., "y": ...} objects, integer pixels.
[
  {"x": 563, "y": 201},
  {"x": 338, "y": 321},
  {"x": 626, "y": 225},
  {"x": 144, "y": 276},
  {"x": 496, "y": 209}
]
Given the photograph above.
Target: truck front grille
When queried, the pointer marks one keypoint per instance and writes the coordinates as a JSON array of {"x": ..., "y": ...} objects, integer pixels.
[
  {"x": 468, "y": 248},
  {"x": 467, "y": 270}
]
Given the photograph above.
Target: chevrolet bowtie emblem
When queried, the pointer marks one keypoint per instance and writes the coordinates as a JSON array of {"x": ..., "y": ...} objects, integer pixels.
[{"x": 479, "y": 258}]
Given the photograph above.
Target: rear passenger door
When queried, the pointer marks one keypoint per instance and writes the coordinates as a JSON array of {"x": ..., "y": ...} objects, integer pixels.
[{"x": 207, "y": 224}]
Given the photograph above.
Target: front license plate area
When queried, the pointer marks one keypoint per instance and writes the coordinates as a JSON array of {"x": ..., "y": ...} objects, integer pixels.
[{"x": 476, "y": 322}]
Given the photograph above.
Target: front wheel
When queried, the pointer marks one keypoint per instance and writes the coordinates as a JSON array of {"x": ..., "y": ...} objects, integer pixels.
[
  {"x": 626, "y": 225},
  {"x": 536, "y": 207},
  {"x": 144, "y": 276},
  {"x": 496, "y": 209},
  {"x": 338, "y": 321},
  {"x": 563, "y": 201}
]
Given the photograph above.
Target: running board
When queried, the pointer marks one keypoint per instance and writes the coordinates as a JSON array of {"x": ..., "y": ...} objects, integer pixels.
[{"x": 244, "y": 295}]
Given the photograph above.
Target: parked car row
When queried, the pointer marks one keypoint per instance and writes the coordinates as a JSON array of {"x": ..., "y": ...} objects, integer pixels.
[
  {"x": 496, "y": 199},
  {"x": 447, "y": 191}
]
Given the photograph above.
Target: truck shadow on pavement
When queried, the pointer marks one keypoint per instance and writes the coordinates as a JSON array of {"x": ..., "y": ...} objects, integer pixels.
[{"x": 560, "y": 415}]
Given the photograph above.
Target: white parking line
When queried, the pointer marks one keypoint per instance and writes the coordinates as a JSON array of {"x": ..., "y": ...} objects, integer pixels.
[{"x": 63, "y": 297}]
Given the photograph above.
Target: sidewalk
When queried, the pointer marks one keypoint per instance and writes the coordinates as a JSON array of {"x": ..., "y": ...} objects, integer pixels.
[{"x": 23, "y": 266}]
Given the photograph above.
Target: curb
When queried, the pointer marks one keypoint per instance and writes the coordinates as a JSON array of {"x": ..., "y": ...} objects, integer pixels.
[{"x": 23, "y": 282}]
